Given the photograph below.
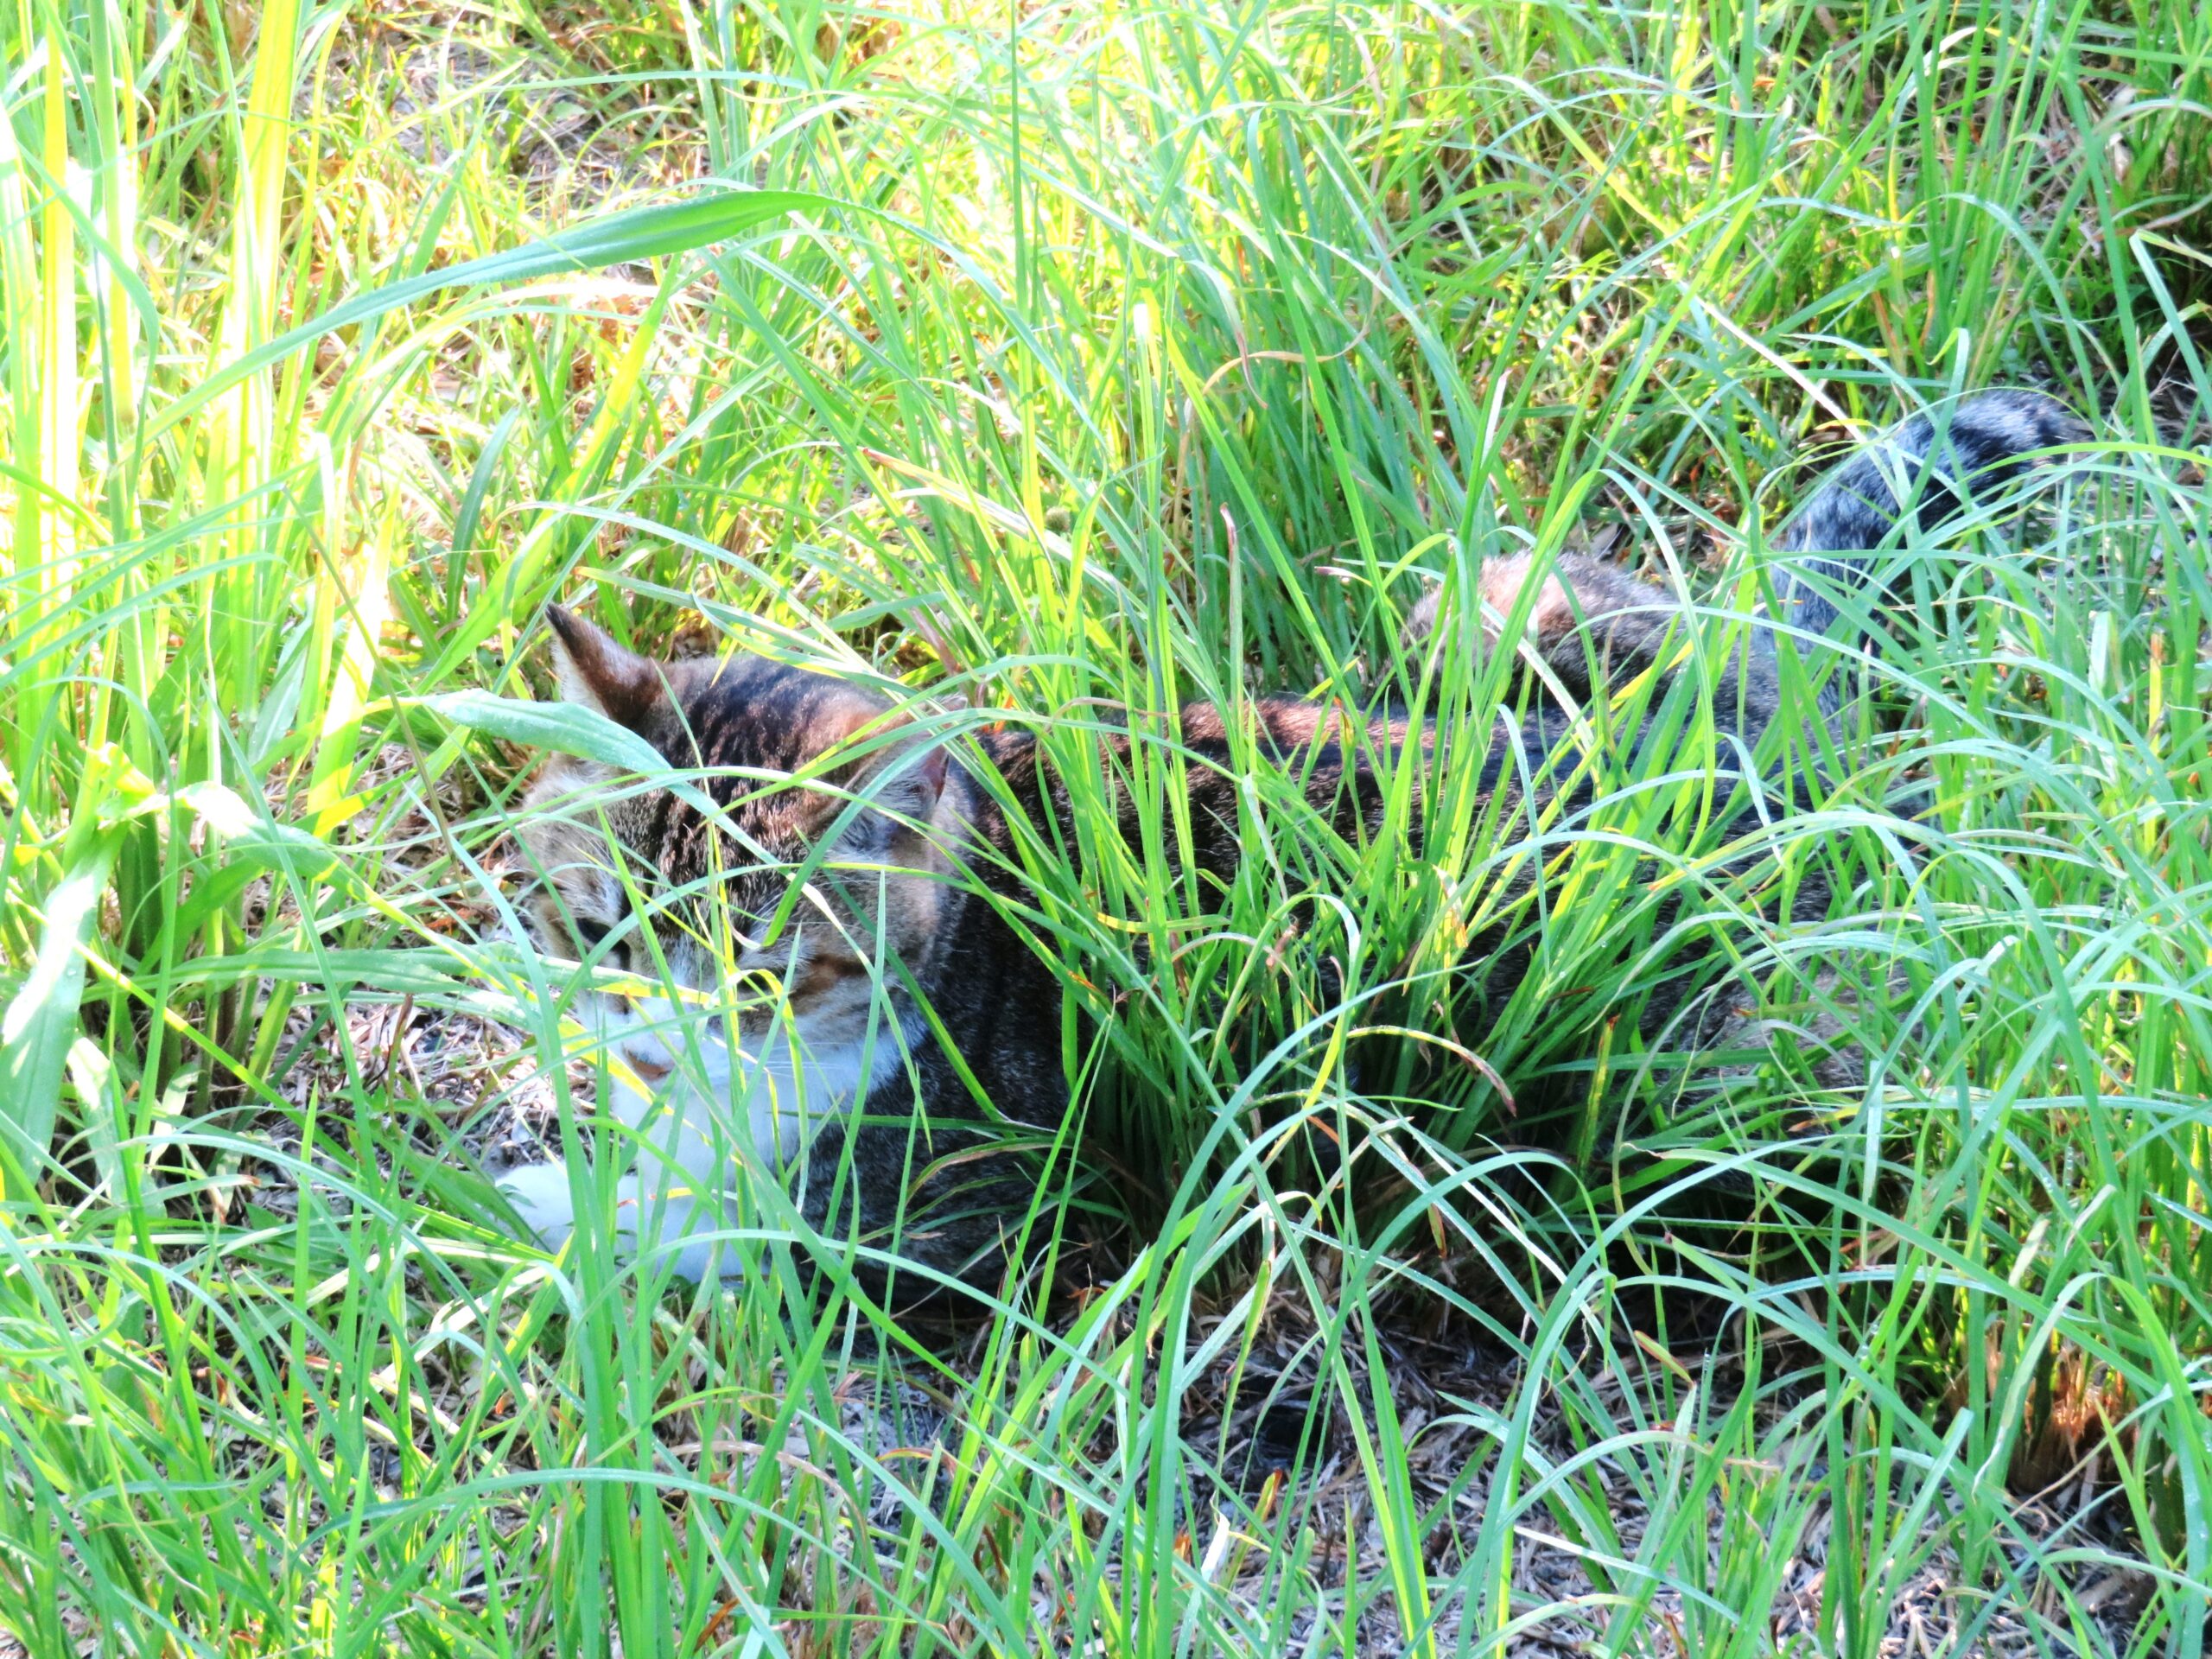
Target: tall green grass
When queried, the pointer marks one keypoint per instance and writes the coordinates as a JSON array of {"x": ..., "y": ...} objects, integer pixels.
[{"x": 1112, "y": 357}]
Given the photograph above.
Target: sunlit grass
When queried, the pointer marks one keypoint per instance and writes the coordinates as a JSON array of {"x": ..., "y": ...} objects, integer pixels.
[{"x": 1139, "y": 356}]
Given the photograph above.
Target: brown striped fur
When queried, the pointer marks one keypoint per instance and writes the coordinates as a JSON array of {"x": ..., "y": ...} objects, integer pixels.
[{"x": 907, "y": 848}]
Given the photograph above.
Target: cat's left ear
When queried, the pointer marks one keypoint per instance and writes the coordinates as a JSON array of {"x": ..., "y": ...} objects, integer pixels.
[
  {"x": 904, "y": 780},
  {"x": 595, "y": 670}
]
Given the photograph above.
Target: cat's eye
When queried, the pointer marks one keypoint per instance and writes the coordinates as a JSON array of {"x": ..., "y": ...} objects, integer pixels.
[{"x": 591, "y": 934}]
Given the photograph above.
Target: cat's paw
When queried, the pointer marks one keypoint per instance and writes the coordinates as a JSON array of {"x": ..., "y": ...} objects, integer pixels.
[
  {"x": 539, "y": 1194},
  {"x": 671, "y": 1225}
]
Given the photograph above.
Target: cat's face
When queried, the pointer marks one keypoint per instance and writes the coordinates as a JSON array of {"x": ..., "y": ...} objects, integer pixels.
[{"x": 829, "y": 862}]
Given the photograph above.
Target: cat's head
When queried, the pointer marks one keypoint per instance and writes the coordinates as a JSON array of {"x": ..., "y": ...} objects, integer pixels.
[{"x": 830, "y": 860}]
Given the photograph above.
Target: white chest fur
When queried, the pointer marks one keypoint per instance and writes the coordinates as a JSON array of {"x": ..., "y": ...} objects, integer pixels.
[
  {"x": 775, "y": 1091},
  {"x": 695, "y": 1101}
]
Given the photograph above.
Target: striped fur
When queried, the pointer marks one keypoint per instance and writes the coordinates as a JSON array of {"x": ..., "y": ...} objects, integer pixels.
[{"x": 871, "y": 1106}]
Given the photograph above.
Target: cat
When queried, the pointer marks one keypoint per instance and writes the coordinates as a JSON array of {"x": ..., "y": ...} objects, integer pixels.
[{"x": 908, "y": 999}]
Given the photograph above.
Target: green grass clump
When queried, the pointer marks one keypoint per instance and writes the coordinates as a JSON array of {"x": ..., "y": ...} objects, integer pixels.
[{"x": 1061, "y": 357}]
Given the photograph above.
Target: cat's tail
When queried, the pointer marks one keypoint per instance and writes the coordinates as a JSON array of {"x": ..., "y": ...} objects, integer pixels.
[{"x": 1922, "y": 473}]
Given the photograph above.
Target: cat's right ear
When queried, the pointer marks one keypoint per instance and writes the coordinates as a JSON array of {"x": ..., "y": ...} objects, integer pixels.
[{"x": 593, "y": 669}]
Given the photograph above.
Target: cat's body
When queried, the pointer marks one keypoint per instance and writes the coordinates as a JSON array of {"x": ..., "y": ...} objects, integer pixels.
[{"x": 910, "y": 1000}]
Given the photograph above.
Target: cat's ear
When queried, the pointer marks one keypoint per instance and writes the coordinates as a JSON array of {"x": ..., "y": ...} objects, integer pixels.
[
  {"x": 913, "y": 776},
  {"x": 902, "y": 780},
  {"x": 594, "y": 671}
]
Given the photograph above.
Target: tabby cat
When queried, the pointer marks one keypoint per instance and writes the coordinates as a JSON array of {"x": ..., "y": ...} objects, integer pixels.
[{"x": 878, "y": 847}]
